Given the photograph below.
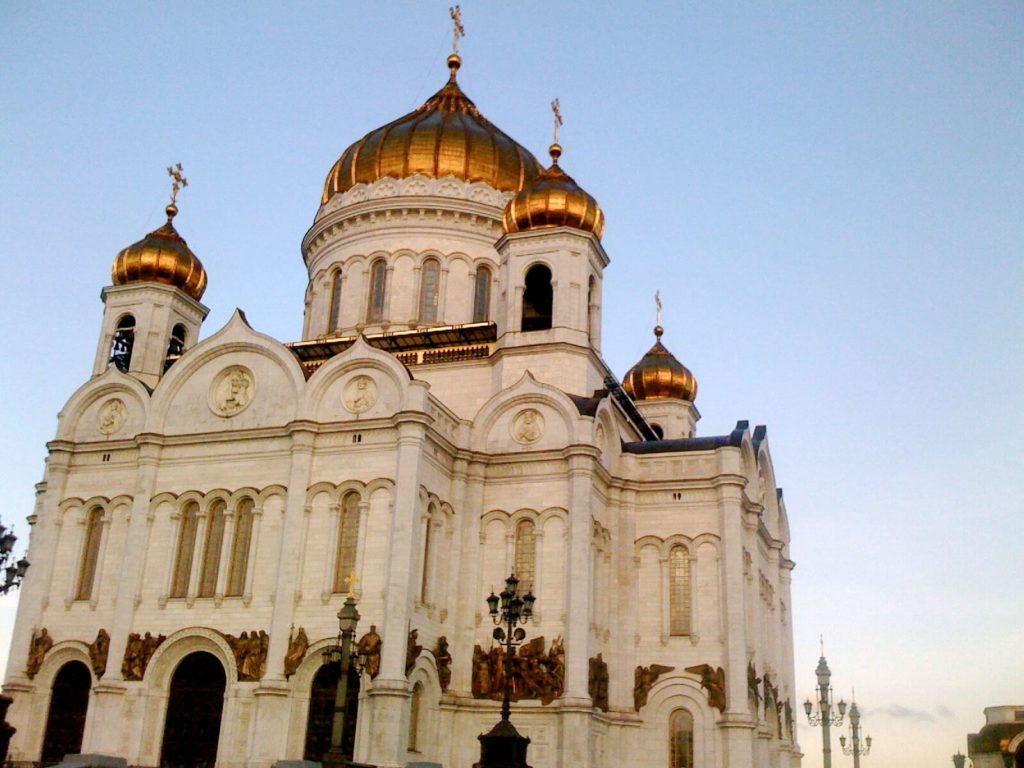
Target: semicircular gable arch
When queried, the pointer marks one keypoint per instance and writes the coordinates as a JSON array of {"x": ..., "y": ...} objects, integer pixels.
[
  {"x": 88, "y": 399},
  {"x": 180, "y": 644},
  {"x": 328, "y": 397},
  {"x": 497, "y": 414}
]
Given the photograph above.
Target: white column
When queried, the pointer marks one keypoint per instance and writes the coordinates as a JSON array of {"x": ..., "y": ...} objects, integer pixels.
[
  {"x": 101, "y": 556},
  {"x": 250, "y": 566},
  {"x": 364, "y": 522},
  {"x": 469, "y": 601},
  {"x": 76, "y": 572}
]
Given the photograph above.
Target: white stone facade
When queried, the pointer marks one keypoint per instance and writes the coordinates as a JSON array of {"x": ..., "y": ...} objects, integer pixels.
[{"x": 459, "y": 450}]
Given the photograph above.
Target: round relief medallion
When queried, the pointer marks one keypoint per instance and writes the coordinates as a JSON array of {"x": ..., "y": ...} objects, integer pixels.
[
  {"x": 232, "y": 391},
  {"x": 527, "y": 426},
  {"x": 111, "y": 416},
  {"x": 360, "y": 394}
]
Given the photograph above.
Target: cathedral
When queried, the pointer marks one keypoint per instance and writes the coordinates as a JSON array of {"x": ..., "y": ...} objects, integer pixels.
[{"x": 212, "y": 498}]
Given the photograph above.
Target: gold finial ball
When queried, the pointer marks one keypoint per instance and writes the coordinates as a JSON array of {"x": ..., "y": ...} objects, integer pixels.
[
  {"x": 555, "y": 150},
  {"x": 454, "y": 62},
  {"x": 658, "y": 331},
  {"x": 171, "y": 210}
]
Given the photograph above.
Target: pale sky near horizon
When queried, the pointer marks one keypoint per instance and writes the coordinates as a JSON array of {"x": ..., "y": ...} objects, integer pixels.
[{"x": 827, "y": 195}]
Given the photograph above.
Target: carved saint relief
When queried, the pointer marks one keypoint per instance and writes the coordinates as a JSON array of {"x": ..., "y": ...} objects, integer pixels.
[
  {"x": 111, "y": 417},
  {"x": 360, "y": 394},
  {"x": 232, "y": 391},
  {"x": 527, "y": 426},
  {"x": 98, "y": 650},
  {"x": 39, "y": 646}
]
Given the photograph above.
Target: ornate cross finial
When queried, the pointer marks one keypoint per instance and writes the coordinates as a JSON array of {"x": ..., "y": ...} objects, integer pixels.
[
  {"x": 821, "y": 639},
  {"x": 556, "y": 108},
  {"x": 174, "y": 171},
  {"x": 657, "y": 303},
  {"x": 459, "y": 30},
  {"x": 352, "y": 581}
]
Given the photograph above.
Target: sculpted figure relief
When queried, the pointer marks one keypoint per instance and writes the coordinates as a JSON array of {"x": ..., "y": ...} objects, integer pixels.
[
  {"x": 598, "y": 682},
  {"x": 528, "y": 426},
  {"x": 412, "y": 650},
  {"x": 533, "y": 673},
  {"x": 137, "y": 654},
  {"x": 753, "y": 688},
  {"x": 643, "y": 680},
  {"x": 37, "y": 649},
  {"x": 369, "y": 647},
  {"x": 789, "y": 720},
  {"x": 298, "y": 644},
  {"x": 233, "y": 391},
  {"x": 250, "y": 651},
  {"x": 98, "y": 651},
  {"x": 444, "y": 661},
  {"x": 111, "y": 416},
  {"x": 360, "y": 394},
  {"x": 713, "y": 681}
]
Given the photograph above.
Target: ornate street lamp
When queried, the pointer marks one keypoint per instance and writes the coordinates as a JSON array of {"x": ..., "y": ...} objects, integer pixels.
[
  {"x": 503, "y": 746},
  {"x": 824, "y": 716},
  {"x": 855, "y": 747},
  {"x": 959, "y": 759},
  {"x": 340, "y": 653},
  {"x": 14, "y": 572}
]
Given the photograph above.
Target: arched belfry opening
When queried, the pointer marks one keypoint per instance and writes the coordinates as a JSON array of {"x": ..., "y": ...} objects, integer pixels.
[
  {"x": 175, "y": 346},
  {"x": 538, "y": 299},
  {"x": 321, "y": 712},
  {"x": 194, "y": 709},
  {"x": 65, "y": 722},
  {"x": 123, "y": 343}
]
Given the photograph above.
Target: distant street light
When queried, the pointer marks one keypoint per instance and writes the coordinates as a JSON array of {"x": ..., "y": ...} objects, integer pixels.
[
  {"x": 959, "y": 760},
  {"x": 14, "y": 572},
  {"x": 855, "y": 747},
  {"x": 824, "y": 716}
]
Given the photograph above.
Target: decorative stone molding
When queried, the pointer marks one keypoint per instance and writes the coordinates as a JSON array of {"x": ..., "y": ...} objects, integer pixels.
[
  {"x": 232, "y": 391},
  {"x": 111, "y": 416}
]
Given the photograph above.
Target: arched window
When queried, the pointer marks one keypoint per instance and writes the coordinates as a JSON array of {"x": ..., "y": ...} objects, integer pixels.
[
  {"x": 482, "y": 295},
  {"x": 428, "y": 555},
  {"x": 415, "y": 707},
  {"x": 124, "y": 341},
  {"x": 90, "y": 554},
  {"x": 334, "y": 322},
  {"x": 378, "y": 291},
  {"x": 591, "y": 309},
  {"x": 658, "y": 430},
  {"x": 321, "y": 712},
  {"x": 526, "y": 554},
  {"x": 430, "y": 283},
  {"x": 348, "y": 536},
  {"x": 680, "y": 739},
  {"x": 538, "y": 299},
  {"x": 211, "y": 552},
  {"x": 176, "y": 346},
  {"x": 186, "y": 545},
  {"x": 240, "y": 547},
  {"x": 679, "y": 590}
]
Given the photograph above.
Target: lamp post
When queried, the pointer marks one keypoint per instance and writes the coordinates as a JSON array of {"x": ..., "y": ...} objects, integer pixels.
[
  {"x": 341, "y": 654},
  {"x": 855, "y": 748},
  {"x": 959, "y": 759},
  {"x": 503, "y": 746},
  {"x": 824, "y": 716},
  {"x": 14, "y": 572}
]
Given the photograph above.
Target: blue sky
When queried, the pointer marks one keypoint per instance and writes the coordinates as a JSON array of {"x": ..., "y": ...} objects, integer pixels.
[{"x": 827, "y": 196}]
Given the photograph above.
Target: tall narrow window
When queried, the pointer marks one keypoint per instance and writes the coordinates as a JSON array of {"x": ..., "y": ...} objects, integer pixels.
[
  {"x": 348, "y": 536},
  {"x": 334, "y": 322},
  {"x": 186, "y": 545},
  {"x": 211, "y": 554},
  {"x": 90, "y": 554},
  {"x": 591, "y": 310},
  {"x": 679, "y": 590},
  {"x": 123, "y": 343},
  {"x": 415, "y": 705},
  {"x": 430, "y": 283},
  {"x": 176, "y": 346},
  {"x": 428, "y": 555},
  {"x": 526, "y": 554},
  {"x": 538, "y": 299},
  {"x": 680, "y": 739},
  {"x": 378, "y": 286},
  {"x": 482, "y": 295},
  {"x": 240, "y": 547}
]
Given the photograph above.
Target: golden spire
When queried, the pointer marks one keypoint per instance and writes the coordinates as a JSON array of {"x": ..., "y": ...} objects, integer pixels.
[
  {"x": 175, "y": 172},
  {"x": 455, "y": 61}
]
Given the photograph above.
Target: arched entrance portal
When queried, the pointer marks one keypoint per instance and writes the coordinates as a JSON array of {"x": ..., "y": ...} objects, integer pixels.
[
  {"x": 65, "y": 722},
  {"x": 194, "y": 710},
  {"x": 321, "y": 712}
]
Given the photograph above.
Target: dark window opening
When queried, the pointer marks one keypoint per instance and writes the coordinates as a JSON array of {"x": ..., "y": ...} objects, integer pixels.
[
  {"x": 538, "y": 299},
  {"x": 321, "y": 712},
  {"x": 176, "y": 346},
  {"x": 658, "y": 431},
  {"x": 194, "y": 709},
  {"x": 124, "y": 341}
]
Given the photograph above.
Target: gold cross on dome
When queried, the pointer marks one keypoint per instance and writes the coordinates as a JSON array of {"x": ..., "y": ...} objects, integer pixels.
[
  {"x": 657, "y": 303},
  {"x": 459, "y": 31},
  {"x": 556, "y": 108},
  {"x": 352, "y": 581},
  {"x": 174, "y": 171}
]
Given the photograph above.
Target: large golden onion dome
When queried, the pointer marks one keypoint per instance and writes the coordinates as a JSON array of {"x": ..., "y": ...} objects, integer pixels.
[
  {"x": 553, "y": 199},
  {"x": 447, "y": 136},
  {"x": 162, "y": 256},
  {"x": 659, "y": 376}
]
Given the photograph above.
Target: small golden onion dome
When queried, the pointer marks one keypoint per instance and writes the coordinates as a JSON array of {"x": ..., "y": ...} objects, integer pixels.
[
  {"x": 162, "y": 256},
  {"x": 659, "y": 376},
  {"x": 553, "y": 199},
  {"x": 447, "y": 136}
]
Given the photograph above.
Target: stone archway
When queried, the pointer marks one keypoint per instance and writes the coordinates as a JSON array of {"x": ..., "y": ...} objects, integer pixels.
[
  {"x": 194, "y": 709},
  {"x": 65, "y": 722},
  {"x": 321, "y": 712}
]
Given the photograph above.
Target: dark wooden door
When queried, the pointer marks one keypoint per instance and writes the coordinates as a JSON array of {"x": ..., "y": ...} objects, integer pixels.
[
  {"x": 321, "y": 713},
  {"x": 194, "y": 711},
  {"x": 65, "y": 722}
]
